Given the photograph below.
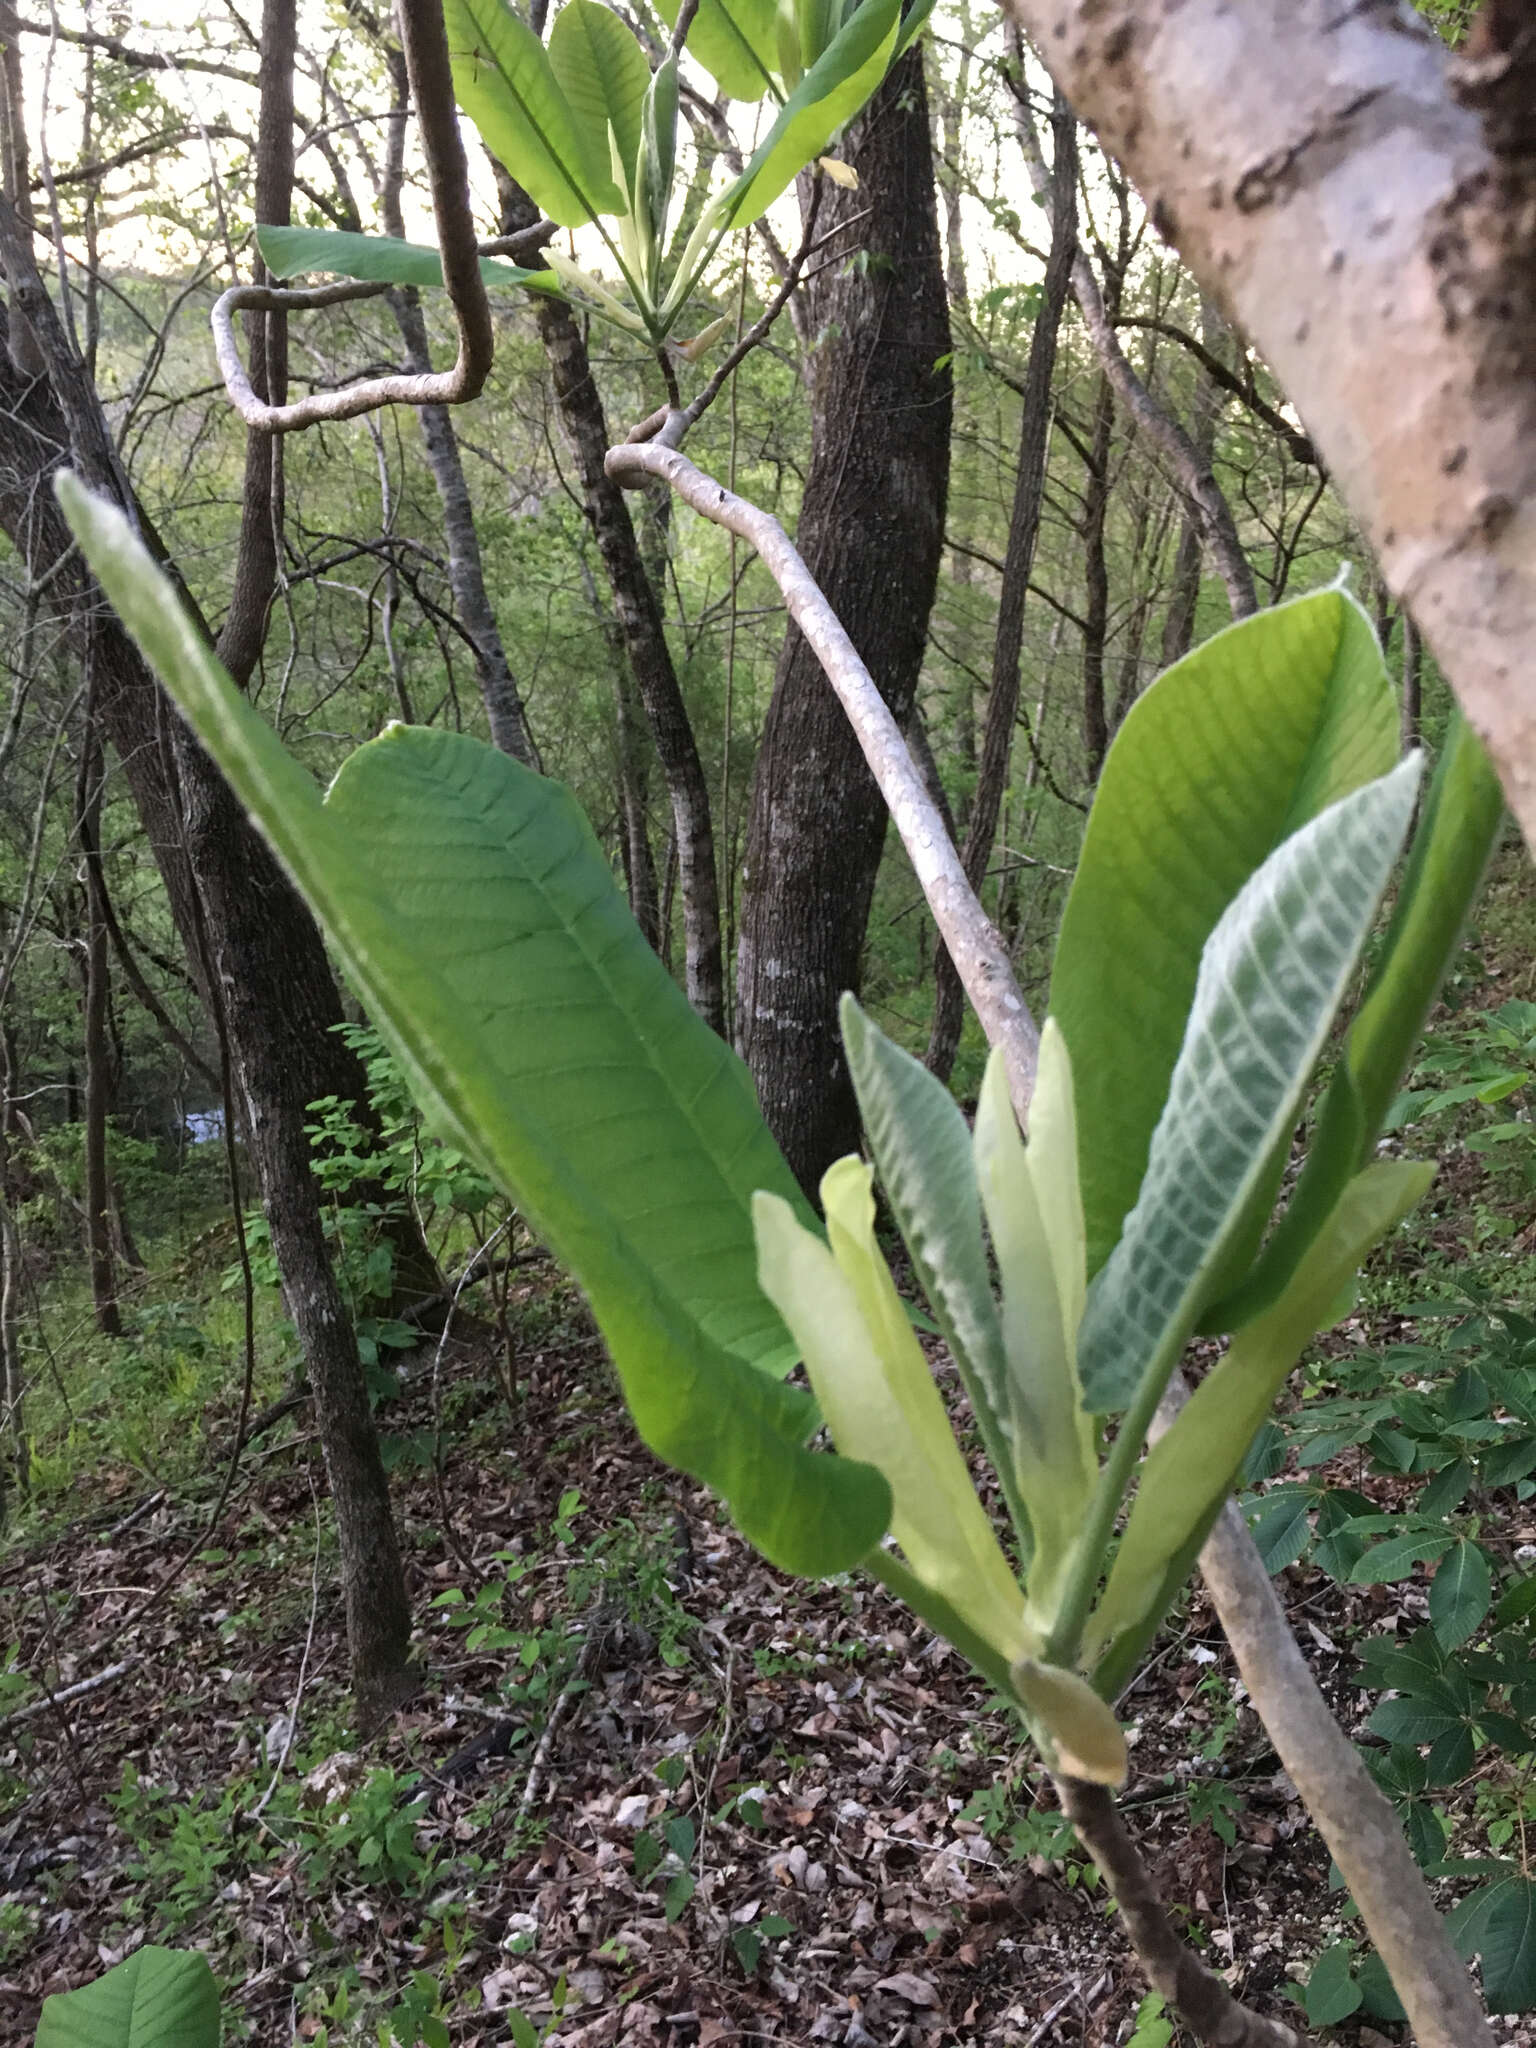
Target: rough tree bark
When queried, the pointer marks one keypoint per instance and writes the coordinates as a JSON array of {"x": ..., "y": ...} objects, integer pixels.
[
  {"x": 871, "y": 531},
  {"x": 1371, "y": 228},
  {"x": 1018, "y": 565},
  {"x": 638, "y": 609}
]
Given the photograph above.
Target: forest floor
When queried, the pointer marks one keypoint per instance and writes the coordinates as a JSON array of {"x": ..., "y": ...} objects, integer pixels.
[
  {"x": 649, "y": 1792},
  {"x": 765, "y": 1810}
]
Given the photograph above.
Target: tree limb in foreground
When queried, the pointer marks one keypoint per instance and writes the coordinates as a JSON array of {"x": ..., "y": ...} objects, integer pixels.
[{"x": 1363, "y": 202}]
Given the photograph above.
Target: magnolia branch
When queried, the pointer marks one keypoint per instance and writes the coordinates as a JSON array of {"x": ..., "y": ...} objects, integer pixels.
[
  {"x": 425, "y": 42},
  {"x": 1196, "y": 1993},
  {"x": 973, "y": 943}
]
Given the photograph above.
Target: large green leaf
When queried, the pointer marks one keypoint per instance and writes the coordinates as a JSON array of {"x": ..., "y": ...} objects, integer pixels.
[
  {"x": 476, "y": 915},
  {"x": 157, "y": 1998},
  {"x": 922, "y": 1150},
  {"x": 1498, "y": 1921},
  {"x": 829, "y": 95},
  {"x": 737, "y": 43},
  {"x": 1456, "y": 834},
  {"x": 504, "y": 82},
  {"x": 378, "y": 259},
  {"x": 1190, "y": 1470},
  {"x": 1227, "y": 753},
  {"x": 1271, "y": 977},
  {"x": 602, "y": 71}
]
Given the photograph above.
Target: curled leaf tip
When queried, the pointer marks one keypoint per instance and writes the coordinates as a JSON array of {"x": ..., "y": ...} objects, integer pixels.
[
  {"x": 839, "y": 172},
  {"x": 1085, "y": 1739}
]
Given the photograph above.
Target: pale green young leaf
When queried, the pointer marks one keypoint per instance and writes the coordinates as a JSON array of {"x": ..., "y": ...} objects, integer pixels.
[
  {"x": 376, "y": 259},
  {"x": 1224, "y": 756},
  {"x": 922, "y": 1151},
  {"x": 1193, "y": 1466},
  {"x": 657, "y": 163},
  {"x": 1053, "y": 1167},
  {"x": 504, "y": 82},
  {"x": 826, "y": 99},
  {"x": 481, "y": 924},
  {"x": 604, "y": 75},
  {"x": 1271, "y": 977},
  {"x": 158, "y": 1998},
  {"x": 1456, "y": 833},
  {"x": 879, "y": 1400},
  {"x": 1039, "y": 1262}
]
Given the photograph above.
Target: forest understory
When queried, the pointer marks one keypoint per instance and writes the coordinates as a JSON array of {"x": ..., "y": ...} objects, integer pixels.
[{"x": 650, "y": 1791}]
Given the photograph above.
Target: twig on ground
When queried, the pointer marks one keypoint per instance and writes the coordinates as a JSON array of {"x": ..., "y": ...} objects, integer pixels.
[
  {"x": 579, "y": 1682},
  {"x": 68, "y": 1693},
  {"x": 132, "y": 1519},
  {"x": 292, "y": 1729},
  {"x": 1073, "y": 1990}
]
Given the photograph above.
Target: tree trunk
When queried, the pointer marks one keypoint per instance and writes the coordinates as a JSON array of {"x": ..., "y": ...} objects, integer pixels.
[
  {"x": 97, "y": 1052},
  {"x": 275, "y": 1016},
  {"x": 466, "y": 568},
  {"x": 637, "y": 606},
  {"x": 871, "y": 532},
  {"x": 950, "y": 110},
  {"x": 1018, "y": 565},
  {"x": 1184, "y": 598},
  {"x": 257, "y": 940},
  {"x": 1095, "y": 721},
  {"x": 634, "y": 803}
]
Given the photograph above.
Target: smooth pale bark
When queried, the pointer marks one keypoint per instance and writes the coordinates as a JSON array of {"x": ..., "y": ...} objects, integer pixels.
[
  {"x": 1363, "y": 205},
  {"x": 871, "y": 532}
]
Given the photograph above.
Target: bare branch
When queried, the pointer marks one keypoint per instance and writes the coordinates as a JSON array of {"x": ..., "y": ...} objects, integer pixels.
[
  {"x": 426, "y": 55},
  {"x": 1153, "y": 419},
  {"x": 137, "y": 60},
  {"x": 973, "y": 944},
  {"x": 1296, "y": 443}
]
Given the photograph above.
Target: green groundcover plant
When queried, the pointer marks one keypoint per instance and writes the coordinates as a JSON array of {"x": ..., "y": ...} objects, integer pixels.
[{"x": 1248, "y": 824}]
